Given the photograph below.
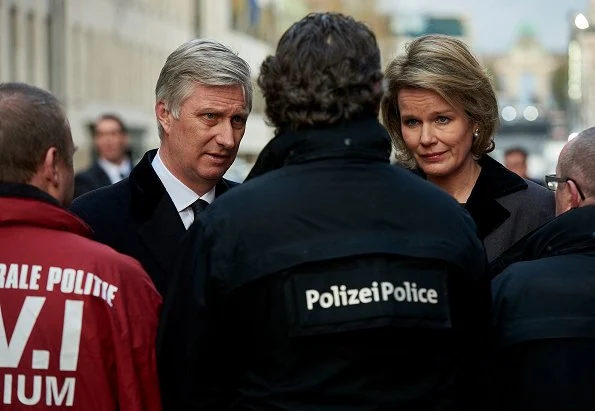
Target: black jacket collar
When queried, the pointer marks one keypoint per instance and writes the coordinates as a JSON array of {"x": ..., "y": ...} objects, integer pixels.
[
  {"x": 148, "y": 190},
  {"x": 161, "y": 228},
  {"x": 362, "y": 138},
  {"x": 494, "y": 181},
  {"x": 26, "y": 191},
  {"x": 571, "y": 232}
]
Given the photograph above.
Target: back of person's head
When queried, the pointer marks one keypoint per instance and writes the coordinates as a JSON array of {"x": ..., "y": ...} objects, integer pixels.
[
  {"x": 446, "y": 66},
  {"x": 200, "y": 61},
  {"x": 326, "y": 70},
  {"x": 32, "y": 121},
  {"x": 577, "y": 161}
]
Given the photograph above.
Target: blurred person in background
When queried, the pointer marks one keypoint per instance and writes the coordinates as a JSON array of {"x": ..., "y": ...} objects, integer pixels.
[
  {"x": 329, "y": 279},
  {"x": 78, "y": 321},
  {"x": 110, "y": 139},
  {"x": 515, "y": 159},
  {"x": 442, "y": 113},
  {"x": 203, "y": 98},
  {"x": 544, "y": 310}
]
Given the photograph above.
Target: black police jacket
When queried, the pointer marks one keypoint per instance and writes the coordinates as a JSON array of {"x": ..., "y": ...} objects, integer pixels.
[
  {"x": 330, "y": 280},
  {"x": 544, "y": 315}
]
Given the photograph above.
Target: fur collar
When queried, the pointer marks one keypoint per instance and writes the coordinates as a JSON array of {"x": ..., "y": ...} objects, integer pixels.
[{"x": 494, "y": 181}]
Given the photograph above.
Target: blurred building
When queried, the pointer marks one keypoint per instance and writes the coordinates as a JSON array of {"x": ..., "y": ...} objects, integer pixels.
[
  {"x": 105, "y": 56},
  {"x": 530, "y": 113},
  {"x": 96, "y": 56},
  {"x": 408, "y": 26},
  {"x": 367, "y": 11},
  {"x": 525, "y": 74},
  {"x": 581, "y": 69}
]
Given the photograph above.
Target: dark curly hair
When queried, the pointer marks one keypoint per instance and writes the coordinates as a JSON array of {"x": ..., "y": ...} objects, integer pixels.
[{"x": 326, "y": 70}]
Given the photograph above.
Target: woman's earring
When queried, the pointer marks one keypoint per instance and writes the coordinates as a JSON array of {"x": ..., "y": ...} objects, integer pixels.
[{"x": 476, "y": 134}]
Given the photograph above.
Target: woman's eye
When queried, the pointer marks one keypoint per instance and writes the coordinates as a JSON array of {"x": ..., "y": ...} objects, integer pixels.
[
  {"x": 442, "y": 120},
  {"x": 411, "y": 122}
]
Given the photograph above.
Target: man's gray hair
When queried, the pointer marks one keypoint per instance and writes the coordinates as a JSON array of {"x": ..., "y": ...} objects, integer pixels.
[
  {"x": 576, "y": 161},
  {"x": 200, "y": 61}
]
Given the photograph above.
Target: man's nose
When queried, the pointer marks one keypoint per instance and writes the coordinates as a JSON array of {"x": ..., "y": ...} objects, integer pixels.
[{"x": 225, "y": 137}]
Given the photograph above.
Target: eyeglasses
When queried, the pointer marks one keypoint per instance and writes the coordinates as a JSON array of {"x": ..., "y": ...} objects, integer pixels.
[{"x": 552, "y": 181}]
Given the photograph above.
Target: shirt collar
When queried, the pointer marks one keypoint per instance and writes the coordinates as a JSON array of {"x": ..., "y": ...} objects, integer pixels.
[
  {"x": 181, "y": 195},
  {"x": 115, "y": 171}
]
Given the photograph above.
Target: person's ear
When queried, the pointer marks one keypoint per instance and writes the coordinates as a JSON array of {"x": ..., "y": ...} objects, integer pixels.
[
  {"x": 574, "y": 196},
  {"x": 49, "y": 170},
  {"x": 164, "y": 116}
]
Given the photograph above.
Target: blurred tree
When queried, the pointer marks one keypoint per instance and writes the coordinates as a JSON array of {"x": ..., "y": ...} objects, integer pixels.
[{"x": 560, "y": 86}]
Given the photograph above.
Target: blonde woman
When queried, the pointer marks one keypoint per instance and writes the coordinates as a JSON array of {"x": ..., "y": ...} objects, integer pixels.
[{"x": 441, "y": 112}]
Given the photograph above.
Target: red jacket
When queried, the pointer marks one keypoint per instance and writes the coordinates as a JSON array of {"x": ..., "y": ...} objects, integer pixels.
[{"x": 78, "y": 320}]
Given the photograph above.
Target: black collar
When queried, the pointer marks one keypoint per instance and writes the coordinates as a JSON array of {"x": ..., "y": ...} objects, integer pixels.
[
  {"x": 26, "y": 191},
  {"x": 147, "y": 188},
  {"x": 363, "y": 138},
  {"x": 571, "y": 232},
  {"x": 494, "y": 181}
]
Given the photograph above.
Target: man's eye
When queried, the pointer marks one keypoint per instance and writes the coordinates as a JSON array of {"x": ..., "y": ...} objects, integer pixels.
[
  {"x": 210, "y": 116},
  {"x": 238, "y": 120}
]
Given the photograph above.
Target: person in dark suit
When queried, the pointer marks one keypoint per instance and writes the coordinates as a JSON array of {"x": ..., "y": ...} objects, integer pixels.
[
  {"x": 279, "y": 304},
  {"x": 543, "y": 305},
  {"x": 110, "y": 138},
  {"x": 203, "y": 98}
]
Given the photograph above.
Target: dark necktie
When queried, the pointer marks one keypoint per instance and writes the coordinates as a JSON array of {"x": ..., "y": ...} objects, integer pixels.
[{"x": 198, "y": 207}]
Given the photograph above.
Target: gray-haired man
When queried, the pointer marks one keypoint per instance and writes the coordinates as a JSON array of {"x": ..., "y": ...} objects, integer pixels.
[{"x": 203, "y": 98}]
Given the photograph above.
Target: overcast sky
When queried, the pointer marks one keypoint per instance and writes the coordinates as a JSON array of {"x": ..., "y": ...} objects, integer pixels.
[{"x": 495, "y": 23}]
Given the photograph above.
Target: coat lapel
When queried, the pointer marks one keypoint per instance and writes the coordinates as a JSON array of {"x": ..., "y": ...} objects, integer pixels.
[
  {"x": 494, "y": 182},
  {"x": 161, "y": 228},
  {"x": 100, "y": 176},
  {"x": 223, "y": 185},
  {"x": 162, "y": 233}
]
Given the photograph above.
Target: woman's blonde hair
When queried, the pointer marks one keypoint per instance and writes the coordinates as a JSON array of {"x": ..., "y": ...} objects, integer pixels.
[{"x": 446, "y": 66}]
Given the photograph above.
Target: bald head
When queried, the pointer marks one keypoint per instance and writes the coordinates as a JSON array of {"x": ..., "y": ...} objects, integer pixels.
[{"x": 577, "y": 162}]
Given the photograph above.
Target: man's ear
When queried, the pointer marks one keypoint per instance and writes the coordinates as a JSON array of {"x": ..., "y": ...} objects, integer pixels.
[
  {"x": 49, "y": 168},
  {"x": 47, "y": 176},
  {"x": 575, "y": 197},
  {"x": 163, "y": 116}
]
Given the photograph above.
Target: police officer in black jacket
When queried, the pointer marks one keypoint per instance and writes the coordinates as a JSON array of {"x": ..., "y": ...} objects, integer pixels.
[
  {"x": 330, "y": 280},
  {"x": 544, "y": 304}
]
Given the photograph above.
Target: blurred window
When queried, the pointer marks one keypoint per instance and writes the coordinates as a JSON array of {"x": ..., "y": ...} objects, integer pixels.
[
  {"x": 12, "y": 43},
  {"x": 527, "y": 88},
  {"x": 198, "y": 18},
  {"x": 30, "y": 65}
]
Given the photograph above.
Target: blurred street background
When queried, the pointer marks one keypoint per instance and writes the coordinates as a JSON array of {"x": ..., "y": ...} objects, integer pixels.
[{"x": 102, "y": 56}]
